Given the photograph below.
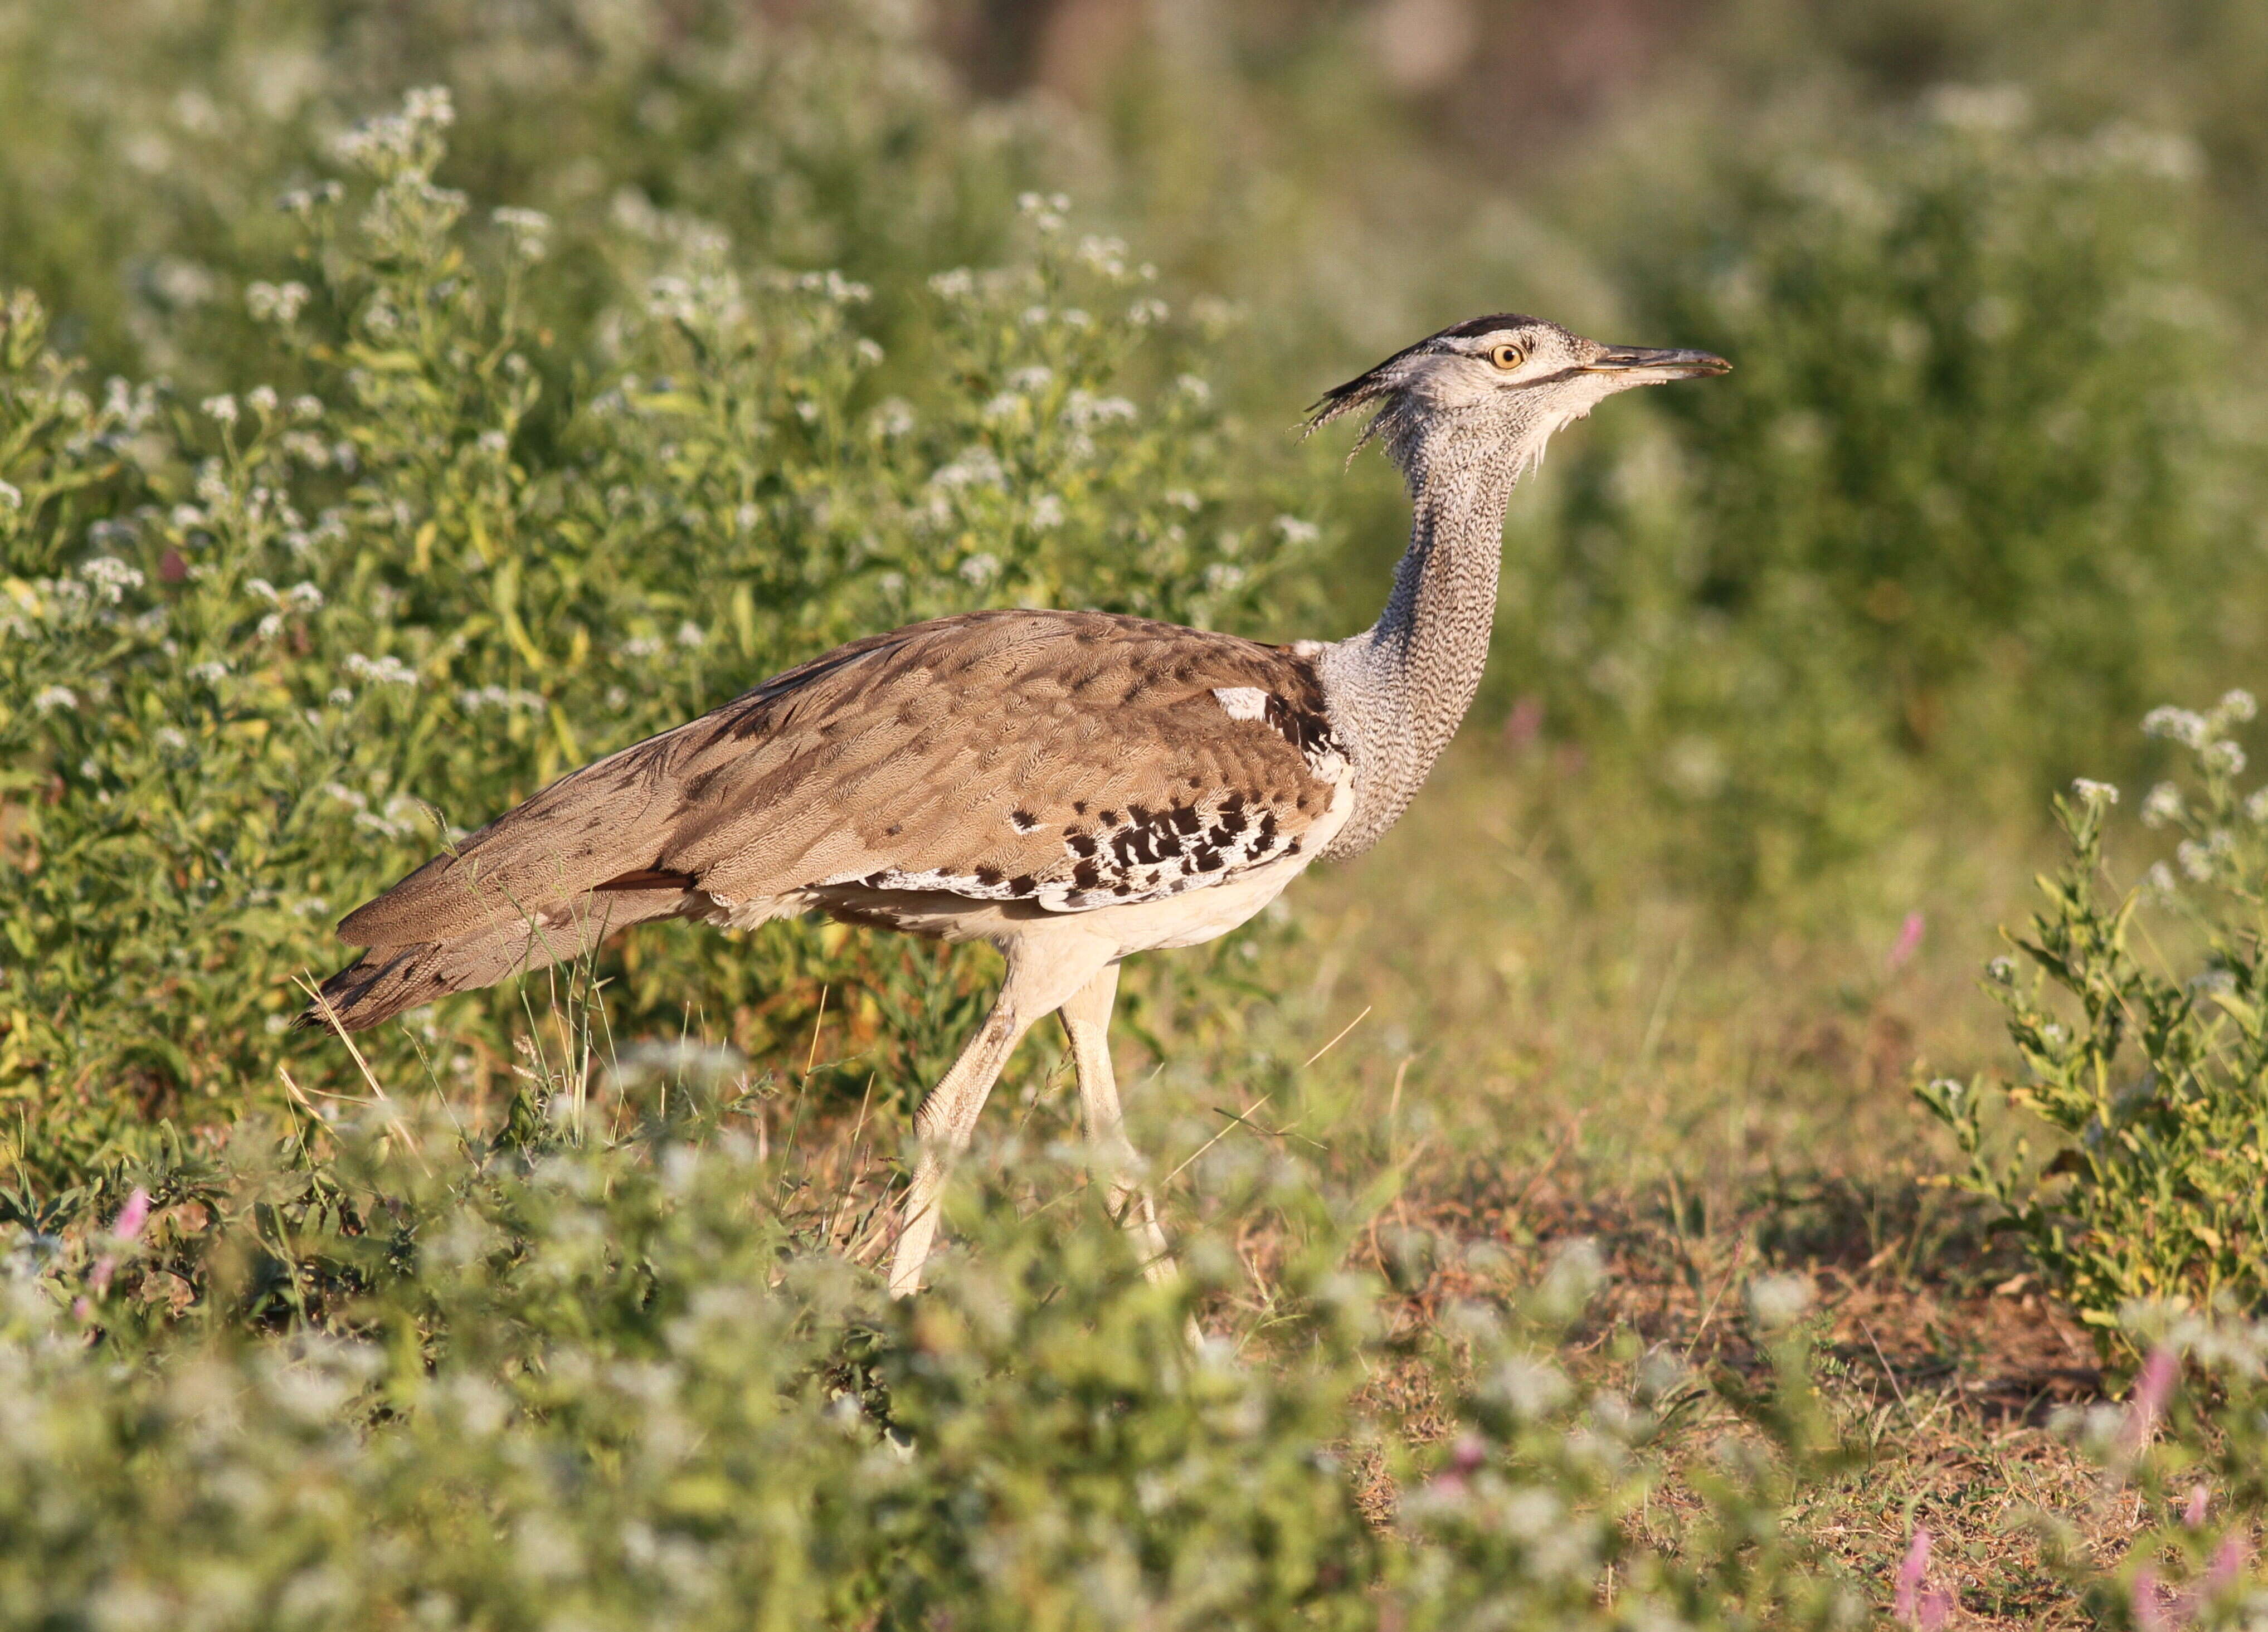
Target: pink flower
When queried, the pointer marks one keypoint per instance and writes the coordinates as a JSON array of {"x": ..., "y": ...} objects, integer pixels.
[
  {"x": 2193, "y": 1514},
  {"x": 131, "y": 1217},
  {"x": 1908, "y": 944},
  {"x": 128, "y": 1223},
  {"x": 1917, "y": 1604},
  {"x": 2228, "y": 1564},
  {"x": 2152, "y": 1390},
  {"x": 2151, "y": 1611}
]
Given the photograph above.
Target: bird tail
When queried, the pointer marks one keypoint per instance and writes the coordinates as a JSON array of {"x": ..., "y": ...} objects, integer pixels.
[{"x": 386, "y": 980}]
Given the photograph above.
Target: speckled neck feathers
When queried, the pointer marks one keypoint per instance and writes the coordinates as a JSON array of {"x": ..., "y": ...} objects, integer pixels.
[{"x": 1397, "y": 691}]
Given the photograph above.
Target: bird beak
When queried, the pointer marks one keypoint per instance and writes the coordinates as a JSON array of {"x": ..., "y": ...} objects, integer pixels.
[{"x": 1647, "y": 365}]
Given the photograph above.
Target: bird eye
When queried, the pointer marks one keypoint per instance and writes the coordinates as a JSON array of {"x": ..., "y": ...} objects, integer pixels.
[{"x": 1506, "y": 356}]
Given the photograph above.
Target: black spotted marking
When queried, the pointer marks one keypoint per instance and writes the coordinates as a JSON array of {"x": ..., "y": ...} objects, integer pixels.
[
  {"x": 1109, "y": 819},
  {"x": 1078, "y": 843},
  {"x": 1302, "y": 723},
  {"x": 1023, "y": 884},
  {"x": 1086, "y": 876},
  {"x": 1023, "y": 821},
  {"x": 989, "y": 876},
  {"x": 1185, "y": 819}
]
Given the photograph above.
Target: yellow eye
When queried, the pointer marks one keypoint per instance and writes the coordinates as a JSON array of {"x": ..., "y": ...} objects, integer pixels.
[{"x": 1506, "y": 356}]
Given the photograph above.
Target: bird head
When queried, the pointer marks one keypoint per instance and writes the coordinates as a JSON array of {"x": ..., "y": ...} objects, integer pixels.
[{"x": 1496, "y": 385}]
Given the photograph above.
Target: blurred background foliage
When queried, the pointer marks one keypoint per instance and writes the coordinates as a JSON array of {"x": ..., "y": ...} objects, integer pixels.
[
  {"x": 1985, "y": 483},
  {"x": 1983, "y": 486}
]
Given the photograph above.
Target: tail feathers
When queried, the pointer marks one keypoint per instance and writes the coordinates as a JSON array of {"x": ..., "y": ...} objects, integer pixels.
[{"x": 386, "y": 980}]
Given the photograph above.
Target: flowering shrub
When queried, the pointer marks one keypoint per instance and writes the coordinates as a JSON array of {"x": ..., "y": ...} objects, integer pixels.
[
  {"x": 2156, "y": 1080},
  {"x": 502, "y": 1382},
  {"x": 260, "y": 654}
]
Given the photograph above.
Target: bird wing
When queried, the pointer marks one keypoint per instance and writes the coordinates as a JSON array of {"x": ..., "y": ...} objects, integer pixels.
[{"x": 1073, "y": 761}]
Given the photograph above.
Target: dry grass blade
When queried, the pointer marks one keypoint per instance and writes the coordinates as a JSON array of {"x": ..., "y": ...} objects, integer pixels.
[{"x": 399, "y": 1128}]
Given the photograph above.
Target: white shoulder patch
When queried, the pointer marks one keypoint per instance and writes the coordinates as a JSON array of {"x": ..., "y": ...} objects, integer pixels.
[{"x": 1242, "y": 703}]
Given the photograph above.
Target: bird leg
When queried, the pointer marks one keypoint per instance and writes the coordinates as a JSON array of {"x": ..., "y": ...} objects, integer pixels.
[
  {"x": 1086, "y": 1020},
  {"x": 945, "y": 1123}
]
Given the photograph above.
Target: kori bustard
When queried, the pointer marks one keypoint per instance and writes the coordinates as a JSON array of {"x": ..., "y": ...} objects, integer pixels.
[{"x": 1071, "y": 786}]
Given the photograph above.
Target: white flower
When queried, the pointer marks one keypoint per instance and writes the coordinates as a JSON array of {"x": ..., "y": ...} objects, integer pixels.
[
  {"x": 261, "y": 400},
  {"x": 2182, "y": 725},
  {"x": 429, "y": 105},
  {"x": 221, "y": 409},
  {"x": 2001, "y": 971},
  {"x": 11, "y": 496},
  {"x": 1106, "y": 255},
  {"x": 868, "y": 351},
  {"x": 1295, "y": 531},
  {"x": 894, "y": 416},
  {"x": 269, "y": 627},
  {"x": 55, "y": 697},
  {"x": 2162, "y": 804},
  {"x": 1035, "y": 377},
  {"x": 276, "y": 303},
  {"x": 2196, "y": 859},
  {"x": 2094, "y": 792},
  {"x": 1004, "y": 405},
  {"x": 957, "y": 284},
  {"x": 306, "y": 408},
  {"x": 1775, "y": 1300},
  {"x": 110, "y": 577},
  {"x": 980, "y": 569},
  {"x": 1194, "y": 388},
  {"x": 837, "y": 288},
  {"x": 2160, "y": 880},
  {"x": 530, "y": 230},
  {"x": 385, "y": 671},
  {"x": 1046, "y": 511},
  {"x": 303, "y": 598},
  {"x": 2238, "y": 705},
  {"x": 1082, "y": 410},
  {"x": 2223, "y": 756},
  {"x": 691, "y": 634},
  {"x": 2255, "y": 807},
  {"x": 977, "y": 466}
]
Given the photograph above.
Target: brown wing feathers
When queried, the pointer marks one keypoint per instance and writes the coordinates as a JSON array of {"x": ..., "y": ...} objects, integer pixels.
[{"x": 1073, "y": 759}]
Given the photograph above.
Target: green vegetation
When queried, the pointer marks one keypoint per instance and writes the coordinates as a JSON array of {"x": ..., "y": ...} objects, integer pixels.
[
  {"x": 1551, "y": 1186},
  {"x": 2165, "y": 1200}
]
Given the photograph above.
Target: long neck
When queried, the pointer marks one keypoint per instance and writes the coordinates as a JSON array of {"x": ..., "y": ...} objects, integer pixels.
[{"x": 1399, "y": 689}]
